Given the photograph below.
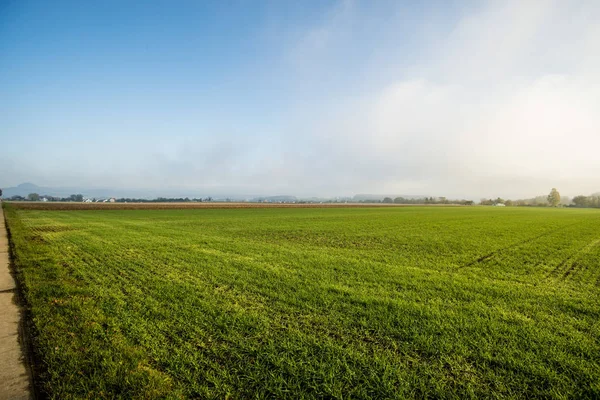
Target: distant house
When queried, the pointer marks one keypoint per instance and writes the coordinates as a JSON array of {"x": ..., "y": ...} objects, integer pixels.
[
  {"x": 87, "y": 201},
  {"x": 112, "y": 200},
  {"x": 500, "y": 205},
  {"x": 44, "y": 199}
]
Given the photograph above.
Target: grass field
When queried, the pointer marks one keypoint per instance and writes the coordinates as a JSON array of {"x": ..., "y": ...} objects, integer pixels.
[{"x": 407, "y": 302}]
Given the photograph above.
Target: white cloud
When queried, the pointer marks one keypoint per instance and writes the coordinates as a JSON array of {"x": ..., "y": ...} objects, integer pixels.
[{"x": 508, "y": 106}]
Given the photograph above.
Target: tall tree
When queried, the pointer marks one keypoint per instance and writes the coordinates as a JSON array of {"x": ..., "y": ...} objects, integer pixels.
[{"x": 554, "y": 198}]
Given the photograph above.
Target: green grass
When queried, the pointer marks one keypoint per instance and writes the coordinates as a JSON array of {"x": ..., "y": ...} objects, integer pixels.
[{"x": 313, "y": 303}]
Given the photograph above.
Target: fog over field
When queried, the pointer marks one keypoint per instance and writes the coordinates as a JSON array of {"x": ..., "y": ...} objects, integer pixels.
[{"x": 465, "y": 100}]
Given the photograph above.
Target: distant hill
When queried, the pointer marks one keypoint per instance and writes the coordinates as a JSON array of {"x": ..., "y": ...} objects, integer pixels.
[
  {"x": 25, "y": 188},
  {"x": 277, "y": 199},
  {"x": 102, "y": 193},
  {"x": 378, "y": 197}
]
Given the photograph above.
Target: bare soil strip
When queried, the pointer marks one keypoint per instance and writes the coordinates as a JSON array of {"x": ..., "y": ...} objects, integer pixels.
[{"x": 14, "y": 375}]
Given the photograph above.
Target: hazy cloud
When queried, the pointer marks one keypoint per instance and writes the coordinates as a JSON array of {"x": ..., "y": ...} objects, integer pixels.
[{"x": 507, "y": 107}]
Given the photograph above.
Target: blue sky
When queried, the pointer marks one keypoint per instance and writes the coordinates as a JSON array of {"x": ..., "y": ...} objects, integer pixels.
[{"x": 459, "y": 99}]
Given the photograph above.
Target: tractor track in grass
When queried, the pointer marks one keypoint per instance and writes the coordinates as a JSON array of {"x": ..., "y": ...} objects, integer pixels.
[
  {"x": 515, "y": 245},
  {"x": 571, "y": 266}
]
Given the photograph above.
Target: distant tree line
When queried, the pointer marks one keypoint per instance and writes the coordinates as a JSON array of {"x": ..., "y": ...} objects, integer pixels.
[
  {"x": 538, "y": 201},
  {"x": 386, "y": 200},
  {"x": 164, "y": 200},
  {"x": 554, "y": 199},
  {"x": 79, "y": 198},
  {"x": 423, "y": 200},
  {"x": 587, "y": 201}
]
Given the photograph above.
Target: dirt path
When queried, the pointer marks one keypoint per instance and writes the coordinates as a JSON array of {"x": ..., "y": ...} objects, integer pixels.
[{"x": 14, "y": 375}]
